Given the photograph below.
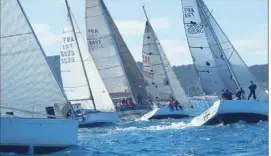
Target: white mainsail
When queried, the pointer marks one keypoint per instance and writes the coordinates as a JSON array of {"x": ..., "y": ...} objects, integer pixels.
[
  {"x": 73, "y": 76},
  {"x": 156, "y": 82},
  {"x": 162, "y": 83},
  {"x": 217, "y": 62},
  {"x": 27, "y": 82},
  {"x": 113, "y": 59}
]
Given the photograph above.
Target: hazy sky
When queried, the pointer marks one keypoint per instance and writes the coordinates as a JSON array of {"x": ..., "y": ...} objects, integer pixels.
[{"x": 243, "y": 21}]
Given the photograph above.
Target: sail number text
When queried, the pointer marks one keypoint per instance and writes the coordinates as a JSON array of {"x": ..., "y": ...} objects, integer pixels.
[
  {"x": 189, "y": 12},
  {"x": 67, "y": 53},
  {"x": 148, "y": 74},
  {"x": 93, "y": 42},
  {"x": 194, "y": 28}
]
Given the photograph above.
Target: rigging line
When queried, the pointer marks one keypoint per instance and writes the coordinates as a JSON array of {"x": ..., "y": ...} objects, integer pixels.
[
  {"x": 153, "y": 65},
  {"x": 217, "y": 41},
  {"x": 30, "y": 112},
  {"x": 79, "y": 51},
  {"x": 94, "y": 6},
  {"x": 231, "y": 54},
  {"x": 149, "y": 44},
  {"x": 89, "y": 38},
  {"x": 110, "y": 25},
  {"x": 94, "y": 16},
  {"x": 150, "y": 53},
  {"x": 16, "y": 35},
  {"x": 76, "y": 86}
]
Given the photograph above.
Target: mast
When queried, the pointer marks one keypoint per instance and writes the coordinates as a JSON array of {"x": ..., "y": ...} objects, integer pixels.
[
  {"x": 103, "y": 7},
  {"x": 145, "y": 13},
  {"x": 217, "y": 41},
  {"x": 34, "y": 34},
  {"x": 83, "y": 65},
  {"x": 172, "y": 92}
]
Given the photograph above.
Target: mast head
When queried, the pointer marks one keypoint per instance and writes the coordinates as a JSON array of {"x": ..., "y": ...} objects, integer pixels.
[{"x": 143, "y": 6}]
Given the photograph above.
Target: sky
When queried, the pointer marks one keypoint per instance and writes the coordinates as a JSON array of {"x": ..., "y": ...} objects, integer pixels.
[{"x": 245, "y": 22}]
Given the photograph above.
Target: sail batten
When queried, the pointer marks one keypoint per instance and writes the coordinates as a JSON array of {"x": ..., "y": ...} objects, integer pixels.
[
  {"x": 84, "y": 70},
  {"x": 27, "y": 81},
  {"x": 162, "y": 83},
  {"x": 75, "y": 87},
  {"x": 125, "y": 78},
  {"x": 213, "y": 53}
]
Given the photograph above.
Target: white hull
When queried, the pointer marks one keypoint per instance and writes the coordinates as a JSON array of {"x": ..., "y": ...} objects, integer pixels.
[
  {"x": 139, "y": 110},
  {"x": 231, "y": 111},
  {"x": 132, "y": 113},
  {"x": 164, "y": 112},
  {"x": 94, "y": 119},
  {"x": 30, "y": 135}
]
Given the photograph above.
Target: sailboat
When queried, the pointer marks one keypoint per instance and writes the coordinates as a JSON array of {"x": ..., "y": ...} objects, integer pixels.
[
  {"x": 33, "y": 105},
  {"x": 114, "y": 61},
  {"x": 161, "y": 82},
  {"x": 81, "y": 80},
  {"x": 219, "y": 66}
]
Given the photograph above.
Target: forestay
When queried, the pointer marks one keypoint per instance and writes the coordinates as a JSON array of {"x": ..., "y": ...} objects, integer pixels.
[
  {"x": 73, "y": 74},
  {"x": 73, "y": 77},
  {"x": 161, "y": 81},
  {"x": 241, "y": 72},
  {"x": 132, "y": 71},
  {"x": 113, "y": 59},
  {"x": 203, "y": 57},
  {"x": 27, "y": 82},
  {"x": 156, "y": 82},
  {"x": 217, "y": 62},
  {"x": 103, "y": 50}
]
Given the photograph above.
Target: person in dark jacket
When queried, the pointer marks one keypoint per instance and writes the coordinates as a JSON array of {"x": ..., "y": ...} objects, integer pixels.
[
  {"x": 252, "y": 88},
  {"x": 224, "y": 95},
  {"x": 139, "y": 99},
  {"x": 229, "y": 94},
  {"x": 177, "y": 104}
]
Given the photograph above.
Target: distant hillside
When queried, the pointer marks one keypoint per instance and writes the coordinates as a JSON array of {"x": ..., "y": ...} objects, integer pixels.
[
  {"x": 189, "y": 81},
  {"x": 185, "y": 73}
]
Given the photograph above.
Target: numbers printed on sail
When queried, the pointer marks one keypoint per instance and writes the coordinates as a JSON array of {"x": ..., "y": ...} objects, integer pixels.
[
  {"x": 95, "y": 44},
  {"x": 67, "y": 60},
  {"x": 92, "y": 41},
  {"x": 194, "y": 28},
  {"x": 146, "y": 59},
  {"x": 67, "y": 46},
  {"x": 67, "y": 53},
  {"x": 189, "y": 12},
  {"x": 148, "y": 74}
]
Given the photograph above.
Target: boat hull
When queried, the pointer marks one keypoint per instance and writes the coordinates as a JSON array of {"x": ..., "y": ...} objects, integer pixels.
[
  {"x": 164, "y": 112},
  {"x": 39, "y": 136},
  {"x": 232, "y": 111},
  {"x": 139, "y": 110},
  {"x": 96, "y": 119}
]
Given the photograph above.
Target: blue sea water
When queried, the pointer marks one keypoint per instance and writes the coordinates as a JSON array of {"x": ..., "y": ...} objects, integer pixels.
[{"x": 171, "y": 138}]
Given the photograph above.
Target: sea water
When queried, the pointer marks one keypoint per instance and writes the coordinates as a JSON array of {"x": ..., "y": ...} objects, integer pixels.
[{"x": 171, "y": 138}]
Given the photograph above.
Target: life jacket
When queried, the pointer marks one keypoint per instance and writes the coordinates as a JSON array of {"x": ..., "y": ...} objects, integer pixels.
[
  {"x": 170, "y": 104},
  {"x": 224, "y": 96}
]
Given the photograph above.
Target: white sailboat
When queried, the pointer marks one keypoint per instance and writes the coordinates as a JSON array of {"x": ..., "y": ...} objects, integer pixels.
[
  {"x": 161, "y": 82},
  {"x": 33, "y": 105},
  {"x": 113, "y": 59},
  {"x": 219, "y": 66},
  {"x": 81, "y": 80}
]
